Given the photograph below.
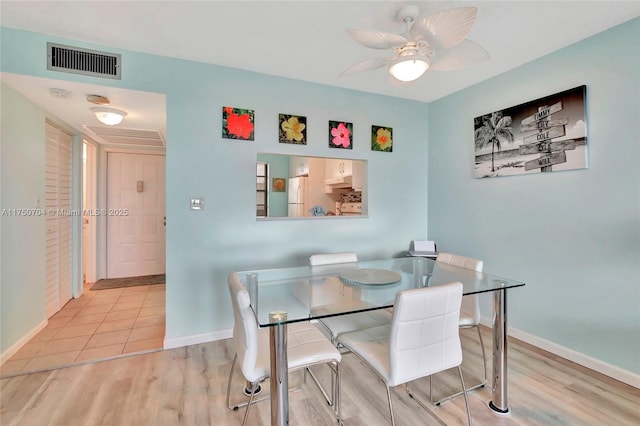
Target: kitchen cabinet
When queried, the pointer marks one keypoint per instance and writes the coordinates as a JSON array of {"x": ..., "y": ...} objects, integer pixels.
[
  {"x": 299, "y": 166},
  {"x": 337, "y": 168}
]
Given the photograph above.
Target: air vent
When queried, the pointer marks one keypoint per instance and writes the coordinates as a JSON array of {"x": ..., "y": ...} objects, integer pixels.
[
  {"x": 76, "y": 60},
  {"x": 120, "y": 136}
]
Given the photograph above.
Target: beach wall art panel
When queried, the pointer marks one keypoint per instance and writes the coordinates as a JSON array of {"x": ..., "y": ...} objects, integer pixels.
[{"x": 541, "y": 136}]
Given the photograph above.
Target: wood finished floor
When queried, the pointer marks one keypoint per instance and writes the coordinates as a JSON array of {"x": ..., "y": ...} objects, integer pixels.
[{"x": 186, "y": 386}]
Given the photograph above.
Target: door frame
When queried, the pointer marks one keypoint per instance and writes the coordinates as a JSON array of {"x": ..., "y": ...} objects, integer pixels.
[
  {"x": 102, "y": 198},
  {"x": 90, "y": 203}
]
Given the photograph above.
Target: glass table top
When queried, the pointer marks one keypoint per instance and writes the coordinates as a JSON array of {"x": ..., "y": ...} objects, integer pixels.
[{"x": 287, "y": 295}]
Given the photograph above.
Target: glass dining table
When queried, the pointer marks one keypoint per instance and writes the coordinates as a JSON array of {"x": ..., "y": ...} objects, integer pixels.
[{"x": 287, "y": 295}]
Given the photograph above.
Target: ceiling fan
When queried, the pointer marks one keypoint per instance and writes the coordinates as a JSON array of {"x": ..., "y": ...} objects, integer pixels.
[{"x": 436, "y": 42}]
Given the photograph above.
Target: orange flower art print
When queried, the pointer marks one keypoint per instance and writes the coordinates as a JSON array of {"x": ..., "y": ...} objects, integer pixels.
[
  {"x": 237, "y": 123},
  {"x": 381, "y": 139},
  {"x": 279, "y": 185},
  {"x": 340, "y": 135}
]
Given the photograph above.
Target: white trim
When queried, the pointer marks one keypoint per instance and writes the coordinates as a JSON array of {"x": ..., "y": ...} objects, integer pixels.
[
  {"x": 89, "y": 188},
  {"x": 602, "y": 367},
  {"x": 76, "y": 221},
  {"x": 179, "y": 342},
  {"x": 11, "y": 351}
]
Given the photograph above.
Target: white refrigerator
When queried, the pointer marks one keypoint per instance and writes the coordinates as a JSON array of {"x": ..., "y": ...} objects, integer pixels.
[{"x": 298, "y": 190}]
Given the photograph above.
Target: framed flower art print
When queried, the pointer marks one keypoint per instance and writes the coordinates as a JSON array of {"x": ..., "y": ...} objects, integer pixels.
[
  {"x": 340, "y": 135},
  {"x": 381, "y": 139},
  {"x": 237, "y": 123},
  {"x": 293, "y": 129}
]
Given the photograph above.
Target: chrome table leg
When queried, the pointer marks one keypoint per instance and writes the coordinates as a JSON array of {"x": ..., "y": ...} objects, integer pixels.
[
  {"x": 279, "y": 369},
  {"x": 498, "y": 403}
]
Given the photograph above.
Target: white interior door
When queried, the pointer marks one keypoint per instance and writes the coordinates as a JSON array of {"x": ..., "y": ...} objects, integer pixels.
[
  {"x": 58, "y": 218},
  {"x": 135, "y": 215}
]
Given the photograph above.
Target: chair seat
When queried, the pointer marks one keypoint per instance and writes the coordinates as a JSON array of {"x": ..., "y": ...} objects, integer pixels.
[
  {"x": 355, "y": 322},
  {"x": 306, "y": 345},
  {"x": 372, "y": 345}
]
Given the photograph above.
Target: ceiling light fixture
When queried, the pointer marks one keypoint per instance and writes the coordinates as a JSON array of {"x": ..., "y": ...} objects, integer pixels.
[
  {"x": 109, "y": 116},
  {"x": 409, "y": 68}
]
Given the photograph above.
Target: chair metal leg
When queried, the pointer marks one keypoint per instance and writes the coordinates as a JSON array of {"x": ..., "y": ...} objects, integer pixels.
[
  {"x": 246, "y": 413},
  {"x": 393, "y": 421},
  {"x": 466, "y": 398},
  {"x": 336, "y": 394},
  {"x": 256, "y": 389},
  {"x": 484, "y": 356},
  {"x": 317, "y": 382},
  {"x": 423, "y": 405},
  {"x": 233, "y": 365},
  {"x": 479, "y": 385}
]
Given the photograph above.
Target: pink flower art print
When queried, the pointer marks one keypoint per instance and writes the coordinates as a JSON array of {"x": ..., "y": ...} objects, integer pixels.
[{"x": 340, "y": 135}]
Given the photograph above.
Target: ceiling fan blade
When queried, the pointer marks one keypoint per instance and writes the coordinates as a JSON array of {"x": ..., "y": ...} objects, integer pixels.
[
  {"x": 369, "y": 64},
  {"x": 377, "y": 40},
  {"x": 444, "y": 29},
  {"x": 460, "y": 56}
]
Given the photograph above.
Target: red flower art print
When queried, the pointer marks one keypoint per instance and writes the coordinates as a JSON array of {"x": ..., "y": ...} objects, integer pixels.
[{"x": 237, "y": 123}]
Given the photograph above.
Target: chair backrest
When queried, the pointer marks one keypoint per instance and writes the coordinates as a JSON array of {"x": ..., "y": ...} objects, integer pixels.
[
  {"x": 332, "y": 258},
  {"x": 460, "y": 261},
  {"x": 245, "y": 328},
  {"x": 470, "y": 303},
  {"x": 424, "y": 336}
]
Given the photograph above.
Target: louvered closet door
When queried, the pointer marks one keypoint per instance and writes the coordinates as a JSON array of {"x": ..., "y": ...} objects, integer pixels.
[{"x": 58, "y": 218}]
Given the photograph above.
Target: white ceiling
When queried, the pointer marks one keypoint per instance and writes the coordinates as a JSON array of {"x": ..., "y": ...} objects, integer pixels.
[{"x": 306, "y": 40}]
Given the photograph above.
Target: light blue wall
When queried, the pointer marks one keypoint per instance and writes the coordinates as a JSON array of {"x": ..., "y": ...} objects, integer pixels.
[
  {"x": 22, "y": 276},
  {"x": 574, "y": 236},
  {"x": 204, "y": 246}
]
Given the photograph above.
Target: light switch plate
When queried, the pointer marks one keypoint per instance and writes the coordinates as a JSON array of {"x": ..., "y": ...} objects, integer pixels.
[{"x": 197, "y": 203}]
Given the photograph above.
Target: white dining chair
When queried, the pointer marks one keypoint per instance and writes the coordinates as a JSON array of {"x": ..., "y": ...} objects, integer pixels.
[
  {"x": 337, "y": 325},
  {"x": 422, "y": 339},
  {"x": 332, "y": 258},
  {"x": 469, "y": 312},
  {"x": 306, "y": 346}
]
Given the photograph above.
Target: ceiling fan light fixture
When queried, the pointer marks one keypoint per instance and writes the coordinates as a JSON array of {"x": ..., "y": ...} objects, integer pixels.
[
  {"x": 408, "y": 69},
  {"x": 109, "y": 116}
]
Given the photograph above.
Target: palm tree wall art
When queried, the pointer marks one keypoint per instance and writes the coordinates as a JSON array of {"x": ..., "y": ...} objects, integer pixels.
[
  {"x": 495, "y": 129},
  {"x": 545, "y": 135}
]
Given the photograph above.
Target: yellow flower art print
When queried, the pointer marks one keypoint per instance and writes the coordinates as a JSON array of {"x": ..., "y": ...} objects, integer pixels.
[
  {"x": 381, "y": 139},
  {"x": 293, "y": 129}
]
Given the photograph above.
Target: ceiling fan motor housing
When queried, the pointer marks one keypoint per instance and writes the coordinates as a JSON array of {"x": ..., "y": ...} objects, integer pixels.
[{"x": 408, "y": 13}]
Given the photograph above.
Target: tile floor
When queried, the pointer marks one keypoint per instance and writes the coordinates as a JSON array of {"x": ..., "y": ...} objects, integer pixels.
[{"x": 98, "y": 325}]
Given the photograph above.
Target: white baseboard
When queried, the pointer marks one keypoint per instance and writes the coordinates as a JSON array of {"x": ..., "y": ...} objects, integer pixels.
[
  {"x": 11, "y": 351},
  {"x": 602, "y": 367},
  {"x": 178, "y": 342}
]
